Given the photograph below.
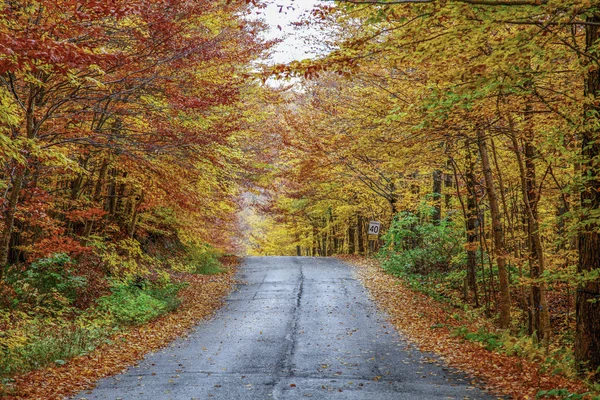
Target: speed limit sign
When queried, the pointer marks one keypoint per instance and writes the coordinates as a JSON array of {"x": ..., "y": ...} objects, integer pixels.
[{"x": 374, "y": 228}]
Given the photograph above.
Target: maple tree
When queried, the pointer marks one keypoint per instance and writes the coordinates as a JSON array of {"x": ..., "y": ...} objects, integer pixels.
[{"x": 109, "y": 110}]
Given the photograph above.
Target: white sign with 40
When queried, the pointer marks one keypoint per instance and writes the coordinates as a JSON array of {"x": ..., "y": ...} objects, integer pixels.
[{"x": 374, "y": 228}]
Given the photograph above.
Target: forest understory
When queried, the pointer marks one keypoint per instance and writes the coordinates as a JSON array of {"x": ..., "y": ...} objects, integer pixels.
[{"x": 118, "y": 346}]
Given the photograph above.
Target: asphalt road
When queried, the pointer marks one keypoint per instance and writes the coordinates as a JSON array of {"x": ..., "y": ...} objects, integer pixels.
[{"x": 297, "y": 328}]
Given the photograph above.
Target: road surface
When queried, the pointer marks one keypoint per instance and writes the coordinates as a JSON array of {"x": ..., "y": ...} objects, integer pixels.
[{"x": 297, "y": 328}]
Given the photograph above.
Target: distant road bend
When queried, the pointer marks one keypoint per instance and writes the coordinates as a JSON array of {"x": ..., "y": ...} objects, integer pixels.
[{"x": 297, "y": 328}]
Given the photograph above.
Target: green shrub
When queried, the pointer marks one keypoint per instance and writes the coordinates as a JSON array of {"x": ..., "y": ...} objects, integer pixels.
[
  {"x": 198, "y": 259},
  {"x": 415, "y": 245},
  {"x": 564, "y": 394},
  {"x": 49, "y": 282},
  {"x": 36, "y": 341},
  {"x": 134, "y": 303},
  {"x": 205, "y": 260}
]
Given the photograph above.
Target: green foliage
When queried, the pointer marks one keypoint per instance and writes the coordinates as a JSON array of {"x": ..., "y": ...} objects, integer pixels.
[
  {"x": 40, "y": 341},
  {"x": 553, "y": 359},
  {"x": 124, "y": 258},
  {"x": 139, "y": 301},
  {"x": 49, "y": 282},
  {"x": 37, "y": 338},
  {"x": 199, "y": 259},
  {"x": 491, "y": 341},
  {"x": 415, "y": 245},
  {"x": 205, "y": 260}
]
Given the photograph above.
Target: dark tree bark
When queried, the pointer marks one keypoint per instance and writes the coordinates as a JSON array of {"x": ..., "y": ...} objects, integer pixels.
[
  {"x": 360, "y": 235},
  {"x": 472, "y": 225},
  {"x": 97, "y": 195},
  {"x": 497, "y": 233},
  {"x": 447, "y": 194},
  {"x": 351, "y": 237},
  {"x": 541, "y": 316},
  {"x": 587, "y": 334},
  {"x": 437, "y": 197},
  {"x": 20, "y": 172}
]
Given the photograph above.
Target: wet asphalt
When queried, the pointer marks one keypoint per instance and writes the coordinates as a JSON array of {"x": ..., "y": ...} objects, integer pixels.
[{"x": 295, "y": 328}]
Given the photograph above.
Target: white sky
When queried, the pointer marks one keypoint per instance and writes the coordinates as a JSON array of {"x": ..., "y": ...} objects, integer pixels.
[{"x": 298, "y": 43}]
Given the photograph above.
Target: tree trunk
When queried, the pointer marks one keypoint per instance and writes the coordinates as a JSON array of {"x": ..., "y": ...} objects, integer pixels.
[
  {"x": 448, "y": 194},
  {"x": 360, "y": 236},
  {"x": 31, "y": 127},
  {"x": 472, "y": 222},
  {"x": 437, "y": 197},
  {"x": 111, "y": 201},
  {"x": 351, "y": 237},
  {"x": 9, "y": 214},
  {"x": 541, "y": 316},
  {"x": 136, "y": 201},
  {"x": 89, "y": 224},
  {"x": 497, "y": 233},
  {"x": 587, "y": 333},
  {"x": 393, "y": 200}
]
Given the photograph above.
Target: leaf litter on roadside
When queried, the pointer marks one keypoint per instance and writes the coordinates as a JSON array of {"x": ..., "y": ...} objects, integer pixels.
[
  {"x": 428, "y": 324},
  {"x": 200, "y": 299}
]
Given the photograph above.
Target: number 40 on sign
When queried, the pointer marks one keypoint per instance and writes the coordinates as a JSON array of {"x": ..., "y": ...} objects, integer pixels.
[{"x": 373, "y": 231}]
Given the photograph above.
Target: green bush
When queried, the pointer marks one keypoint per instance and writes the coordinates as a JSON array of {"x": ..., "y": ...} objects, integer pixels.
[
  {"x": 564, "y": 394},
  {"x": 198, "y": 259},
  {"x": 415, "y": 245},
  {"x": 134, "y": 303},
  {"x": 49, "y": 282},
  {"x": 36, "y": 341}
]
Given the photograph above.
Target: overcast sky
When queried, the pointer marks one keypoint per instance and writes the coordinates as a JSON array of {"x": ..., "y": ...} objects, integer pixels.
[{"x": 298, "y": 43}]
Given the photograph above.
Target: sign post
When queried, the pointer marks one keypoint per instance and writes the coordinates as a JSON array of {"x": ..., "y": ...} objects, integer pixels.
[{"x": 373, "y": 234}]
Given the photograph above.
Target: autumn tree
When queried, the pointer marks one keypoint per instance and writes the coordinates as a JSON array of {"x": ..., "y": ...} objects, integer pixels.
[
  {"x": 117, "y": 111},
  {"x": 516, "y": 80}
]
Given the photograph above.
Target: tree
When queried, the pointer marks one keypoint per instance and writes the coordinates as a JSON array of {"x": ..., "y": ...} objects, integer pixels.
[
  {"x": 506, "y": 75},
  {"x": 116, "y": 113}
]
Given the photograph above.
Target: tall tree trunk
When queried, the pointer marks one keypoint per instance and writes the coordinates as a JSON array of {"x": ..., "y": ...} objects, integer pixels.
[
  {"x": 472, "y": 222},
  {"x": 497, "y": 233},
  {"x": 351, "y": 236},
  {"x": 122, "y": 187},
  {"x": 539, "y": 318},
  {"x": 393, "y": 200},
  {"x": 9, "y": 214},
  {"x": 97, "y": 195},
  {"x": 360, "y": 235},
  {"x": 136, "y": 201},
  {"x": 536, "y": 252},
  {"x": 587, "y": 333},
  {"x": 447, "y": 194},
  {"x": 111, "y": 201},
  {"x": 437, "y": 197},
  {"x": 315, "y": 248}
]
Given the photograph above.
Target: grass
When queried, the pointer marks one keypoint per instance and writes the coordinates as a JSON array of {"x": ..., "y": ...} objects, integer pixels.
[
  {"x": 45, "y": 341},
  {"x": 40, "y": 326},
  {"x": 38, "y": 341}
]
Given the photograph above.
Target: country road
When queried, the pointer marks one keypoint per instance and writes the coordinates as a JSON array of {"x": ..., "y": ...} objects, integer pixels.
[{"x": 296, "y": 328}]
